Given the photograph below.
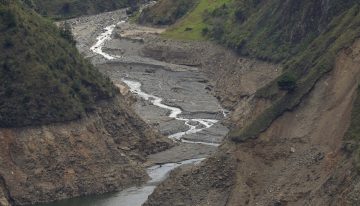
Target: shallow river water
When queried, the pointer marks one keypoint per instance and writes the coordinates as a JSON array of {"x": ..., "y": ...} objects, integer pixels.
[{"x": 136, "y": 196}]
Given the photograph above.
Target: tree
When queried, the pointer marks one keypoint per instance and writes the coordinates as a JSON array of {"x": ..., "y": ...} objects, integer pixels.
[
  {"x": 287, "y": 82},
  {"x": 66, "y": 33}
]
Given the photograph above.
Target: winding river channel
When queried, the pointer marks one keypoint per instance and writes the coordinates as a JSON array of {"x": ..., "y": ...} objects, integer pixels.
[
  {"x": 192, "y": 125},
  {"x": 135, "y": 87}
]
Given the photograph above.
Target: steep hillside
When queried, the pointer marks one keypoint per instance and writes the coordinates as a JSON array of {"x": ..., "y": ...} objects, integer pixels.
[
  {"x": 60, "y": 9},
  {"x": 300, "y": 147},
  {"x": 312, "y": 58},
  {"x": 303, "y": 158},
  {"x": 65, "y": 129},
  {"x": 166, "y": 12},
  {"x": 273, "y": 30},
  {"x": 43, "y": 78},
  {"x": 303, "y": 36}
]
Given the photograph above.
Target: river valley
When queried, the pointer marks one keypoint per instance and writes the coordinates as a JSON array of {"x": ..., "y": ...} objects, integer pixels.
[{"x": 173, "y": 98}]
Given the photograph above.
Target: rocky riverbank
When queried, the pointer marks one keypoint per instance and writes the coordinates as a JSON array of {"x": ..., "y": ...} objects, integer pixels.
[{"x": 183, "y": 87}]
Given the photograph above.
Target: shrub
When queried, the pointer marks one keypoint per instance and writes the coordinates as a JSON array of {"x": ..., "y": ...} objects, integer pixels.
[
  {"x": 29, "y": 3},
  {"x": 8, "y": 19},
  {"x": 239, "y": 15},
  {"x": 205, "y": 31},
  {"x": 43, "y": 78},
  {"x": 8, "y": 43},
  {"x": 287, "y": 82},
  {"x": 66, "y": 33},
  {"x": 66, "y": 8}
]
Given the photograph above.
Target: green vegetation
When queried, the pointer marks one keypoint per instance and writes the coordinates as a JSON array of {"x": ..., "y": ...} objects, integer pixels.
[
  {"x": 43, "y": 78},
  {"x": 192, "y": 25},
  {"x": 166, "y": 12},
  {"x": 62, "y": 9},
  {"x": 272, "y": 30},
  {"x": 287, "y": 82},
  {"x": 66, "y": 33}
]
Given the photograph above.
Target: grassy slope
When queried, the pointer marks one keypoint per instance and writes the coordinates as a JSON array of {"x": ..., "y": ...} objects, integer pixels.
[
  {"x": 43, "y": 78},
  {"x": 194, "y": 21},
  {"x": 273, "y": 30},
  {"x": 166, "y": 12}
]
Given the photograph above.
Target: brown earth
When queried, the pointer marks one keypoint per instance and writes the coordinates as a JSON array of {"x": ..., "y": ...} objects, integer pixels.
[
  {"x": 100, "y": 153},
  {"x": 190, "y": 185},
  {"x": 298, "y": 160}
]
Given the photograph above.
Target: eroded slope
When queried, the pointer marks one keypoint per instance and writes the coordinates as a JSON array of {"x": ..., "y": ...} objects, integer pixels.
[{"x": 298, "y": 160}]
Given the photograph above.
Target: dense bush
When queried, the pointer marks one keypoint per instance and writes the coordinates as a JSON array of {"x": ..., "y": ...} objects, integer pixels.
[
  {"x": 66, "y": 33},
  {"x": 43, "y": 78},
  {"x": 273, "y": 30},
  {"x": 287, "y": 82}
]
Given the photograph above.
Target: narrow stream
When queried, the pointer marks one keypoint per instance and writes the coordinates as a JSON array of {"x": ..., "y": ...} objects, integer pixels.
[
  {"x": 133, "y": 196},
  {"x": 136, "y": 196},
  {"x": 135, "y": 87}
]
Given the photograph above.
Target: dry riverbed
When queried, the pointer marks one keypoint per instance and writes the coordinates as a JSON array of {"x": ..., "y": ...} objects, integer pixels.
[
  {"x": 173, "y": 98},
  {"x": 179, "y": 86}
]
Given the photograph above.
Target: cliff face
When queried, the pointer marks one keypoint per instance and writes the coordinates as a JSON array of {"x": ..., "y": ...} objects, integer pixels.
[{"x": 97, "y": 154}]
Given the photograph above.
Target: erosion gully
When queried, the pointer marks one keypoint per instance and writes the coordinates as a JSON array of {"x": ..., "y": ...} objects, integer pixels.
[{"x": 192, "y": 122}]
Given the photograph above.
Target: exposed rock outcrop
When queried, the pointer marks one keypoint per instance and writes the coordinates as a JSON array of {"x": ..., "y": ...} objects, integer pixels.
[{"x": 199, "y": 185}]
